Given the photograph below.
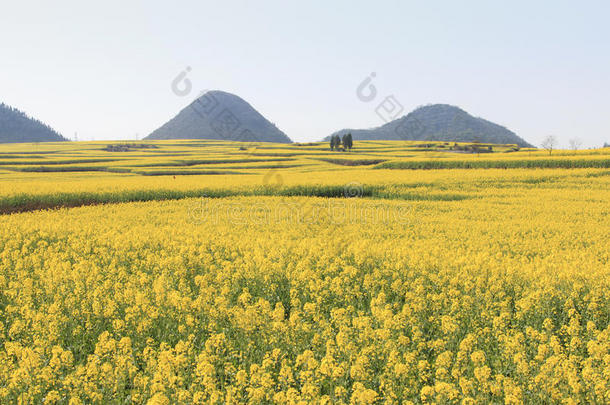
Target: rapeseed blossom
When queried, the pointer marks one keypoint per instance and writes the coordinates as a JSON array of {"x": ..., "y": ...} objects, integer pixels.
[{"x": 499, "y": 297}]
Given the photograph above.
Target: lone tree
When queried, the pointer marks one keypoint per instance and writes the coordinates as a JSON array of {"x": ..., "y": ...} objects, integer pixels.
[
  {"x": 332, "y": 142},
  {"x": 549, "y": 143}
]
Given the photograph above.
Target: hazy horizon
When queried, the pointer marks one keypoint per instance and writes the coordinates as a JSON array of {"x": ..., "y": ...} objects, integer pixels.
[{"x": 105, "y": 71}]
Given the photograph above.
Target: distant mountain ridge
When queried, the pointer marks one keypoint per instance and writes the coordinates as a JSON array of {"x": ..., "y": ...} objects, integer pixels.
[
  {"x": 16, "y": 126},
  {"x": 439, "y": 122},
  {"x": 220, "y": 115}
]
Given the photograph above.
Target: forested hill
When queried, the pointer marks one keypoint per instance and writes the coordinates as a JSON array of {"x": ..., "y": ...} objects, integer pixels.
[
  {"x": 220, "y": 115},
  {"x": 17, "y": 126},
  {"x": 439, "y": 122}
]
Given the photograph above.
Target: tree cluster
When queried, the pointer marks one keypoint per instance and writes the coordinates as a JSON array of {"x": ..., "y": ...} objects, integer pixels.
[{"x": 337, "y": 141}]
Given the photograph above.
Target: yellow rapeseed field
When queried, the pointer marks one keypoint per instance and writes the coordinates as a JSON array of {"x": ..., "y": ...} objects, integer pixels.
[{"x": 468, "y": 286}]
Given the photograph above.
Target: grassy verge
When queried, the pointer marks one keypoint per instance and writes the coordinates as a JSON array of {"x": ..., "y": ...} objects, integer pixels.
[
  {"x": 353, "y": 162},
  {"x": 28, "y": 202}
]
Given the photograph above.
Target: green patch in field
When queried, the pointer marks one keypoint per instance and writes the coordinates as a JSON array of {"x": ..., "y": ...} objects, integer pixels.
[
  {"x": 185, "y": 172},
  {"x": 353, "y": 162}
]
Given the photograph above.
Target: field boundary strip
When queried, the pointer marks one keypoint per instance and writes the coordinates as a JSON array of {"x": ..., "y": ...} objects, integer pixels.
[
  {"x": 496, "y": 164},
  {"x": 28, "y": 202}
]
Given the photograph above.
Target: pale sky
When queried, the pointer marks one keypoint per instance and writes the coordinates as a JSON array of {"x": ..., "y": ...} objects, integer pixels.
[{"x": 105, "y": 70}]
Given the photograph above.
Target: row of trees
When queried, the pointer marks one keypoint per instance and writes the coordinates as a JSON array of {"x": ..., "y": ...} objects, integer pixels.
[
  {"x": 551, "y": 143},
  {"x": 346, "y": 140}
]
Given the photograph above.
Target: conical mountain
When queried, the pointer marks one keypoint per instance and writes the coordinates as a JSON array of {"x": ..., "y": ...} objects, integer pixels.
[
  {"x": 16, "y": 126},
  {"x": 439, "y": 122},
  {"x": 220, "y": 115}
]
